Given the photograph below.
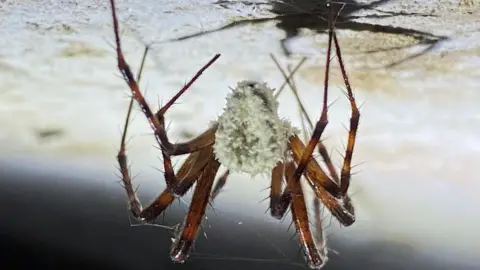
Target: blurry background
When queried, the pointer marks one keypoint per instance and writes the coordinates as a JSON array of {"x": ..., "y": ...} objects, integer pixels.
[{"x": 63, "y": 104}]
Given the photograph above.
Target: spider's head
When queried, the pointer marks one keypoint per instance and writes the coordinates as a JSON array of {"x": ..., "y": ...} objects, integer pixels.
[{"x": 250, "y": 136}]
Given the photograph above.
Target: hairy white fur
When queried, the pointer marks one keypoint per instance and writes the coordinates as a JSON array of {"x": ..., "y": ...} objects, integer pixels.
[{"x": 251, "y": 137}]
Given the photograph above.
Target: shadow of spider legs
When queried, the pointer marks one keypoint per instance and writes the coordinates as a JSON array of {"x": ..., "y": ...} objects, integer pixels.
[
  {"x": 203, "y": 162},
  {"x": 291, "y": 17}
]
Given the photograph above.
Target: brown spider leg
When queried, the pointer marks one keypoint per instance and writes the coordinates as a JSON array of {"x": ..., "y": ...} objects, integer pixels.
[
  {"x": 186, "y": 182},
  {"x": 314, "y": 258},
  {"x": 331, "y": 194},
  {"x": 202, "y": 141},
  {"x": 134, "y": 203},
  {"x": 186, "y": 176},
  {"x": 219, "y": 185},
  {"x": 323, "y": 121},
  {"x": 328, "y": 162},
  {"x": 278, "y": 201},
  {"x": 321, "y": 239},
  {"x": 325, "y": 189},
  {"x": 280, "y": 208},
  {"x": 184, "y": 241},
  {"x": 354, "y": 120},
  {"x": 293, "y": 196},
  {"x": 321, "y": 147},
  {"x": 188, "y": 173},
  {"x": 157, "y": 121}
]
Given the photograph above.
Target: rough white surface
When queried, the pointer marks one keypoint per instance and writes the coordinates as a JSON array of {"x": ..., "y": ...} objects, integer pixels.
[{"x": 419, "y": 138}]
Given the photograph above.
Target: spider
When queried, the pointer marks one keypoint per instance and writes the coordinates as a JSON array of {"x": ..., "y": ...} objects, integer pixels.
[{"x": 248, "y": 137}]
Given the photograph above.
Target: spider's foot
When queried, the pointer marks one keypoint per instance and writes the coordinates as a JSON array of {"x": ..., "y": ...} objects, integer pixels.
[
  {"x": 180, "y": 250},
  {"x": 279, "y": 205},
  {"x": 344, "y": 211},
  {"x": 315, "y": 258}
]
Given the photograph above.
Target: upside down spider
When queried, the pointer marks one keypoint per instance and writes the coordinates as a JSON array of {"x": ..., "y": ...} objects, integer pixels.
[{"x": 250, "y": 137}]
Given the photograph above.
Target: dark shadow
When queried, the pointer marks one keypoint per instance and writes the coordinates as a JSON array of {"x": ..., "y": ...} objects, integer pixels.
[
  {"x": 57, "y": 217},
  {"x": 294, "y": 15}
]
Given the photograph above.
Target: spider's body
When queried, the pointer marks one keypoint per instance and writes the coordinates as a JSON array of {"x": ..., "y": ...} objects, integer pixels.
[{"x": 249, "y": 136}]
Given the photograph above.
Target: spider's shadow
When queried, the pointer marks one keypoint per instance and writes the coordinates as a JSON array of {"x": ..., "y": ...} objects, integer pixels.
[{"x": 294, "y": 15}]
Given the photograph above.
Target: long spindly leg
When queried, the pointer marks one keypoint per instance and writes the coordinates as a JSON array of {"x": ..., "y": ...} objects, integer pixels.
[
  {"x": 312, "y": 167},
  {"x": 315, "y": 259},
  {"x": 321, "y": 239},
  {"x": 188, "y": 173},
  {"x": 219, "y": 185},
  {"x": 298, "y": 148},
  {"x": 354, "y": 120},
  {"x": 325, "y": 189},
  {"x": 323, "y": 121},
  {"x": 186, "y": 176},
  {"x": 339, "y": 205},
  {"x": 321, "y": 147},
  {"x": 332, "y": 195},
  {"x": 184, "y": 241},
  {"x": 157, "y": 121},
  {"x": 293, "y": 196},
  {"x": 134, "y": 203},
  {"x": 278, "y": 201}
]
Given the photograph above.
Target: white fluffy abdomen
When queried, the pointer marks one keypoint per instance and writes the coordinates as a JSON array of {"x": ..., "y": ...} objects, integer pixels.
[{"x": 251, "y": 137}]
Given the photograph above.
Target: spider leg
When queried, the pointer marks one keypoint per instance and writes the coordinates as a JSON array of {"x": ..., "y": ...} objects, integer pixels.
[
  {"x": 315, "y": 259},
  {"x": 188, "y": 173},
  {"x": 321, "y": 147},
  {"x": 278, "y": 201},
  {"x": 354, "y": 119},
  {"x": 219, "y": 185},
  {"x": 184, "y": 241},
  {"x": 326, "y": 159},
  {"x": 293, "y": 196},
  {"x": 325, "y": 189},
  {"x": 323, "y": 121},
  {"x": 186, "y": 176},
  {"x": 319, "y": 232},
  {"x": 157, "y": 121},
  {"x": 134, "y": 202},
  {"x": 332, "y": 195}
]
